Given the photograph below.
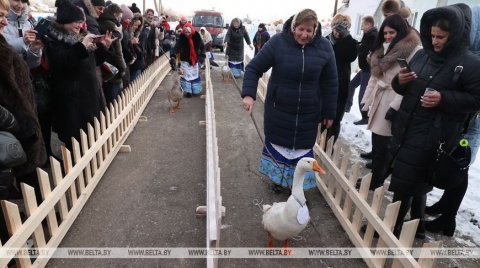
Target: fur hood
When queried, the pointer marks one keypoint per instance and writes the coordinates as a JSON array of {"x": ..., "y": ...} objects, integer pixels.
[
  {"x": 136, "y": 17},
  {"x": 402, "y": 49},
  {"x": 57, "y": 32},
  {"x": 87, "y": 7}
]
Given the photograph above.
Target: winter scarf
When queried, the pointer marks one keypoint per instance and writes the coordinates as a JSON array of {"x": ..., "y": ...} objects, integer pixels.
[{"x": 193, "y": 55}]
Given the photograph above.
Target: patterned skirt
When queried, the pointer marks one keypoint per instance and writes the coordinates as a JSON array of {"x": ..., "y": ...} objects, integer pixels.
[
  {"x": 237, "y": 68},
  {"x": 281, "y": 169},
  {"x": 191, "y": 80}
]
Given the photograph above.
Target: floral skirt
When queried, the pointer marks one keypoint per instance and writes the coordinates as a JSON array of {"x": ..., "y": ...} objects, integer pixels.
[{"x": 282, "y": 174}]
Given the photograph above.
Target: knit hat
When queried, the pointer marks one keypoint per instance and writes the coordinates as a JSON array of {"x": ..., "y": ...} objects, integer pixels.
[
  {"x": 68, "y": 13},
  {"x": 127, "y": 13},
  {"x": 98, "y": 3},
  {"x": 108, "y": 3},
  {"x": 279, "y": 27}
]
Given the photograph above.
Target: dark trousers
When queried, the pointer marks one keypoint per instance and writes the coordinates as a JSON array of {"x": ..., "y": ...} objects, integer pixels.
[
  {"x": 381, "y": 164},
  {"x": 415, "y": 203},
  {"x": 111, "y": 91},
  {"x": 45, "y": 120},
  {"x": 6, "y": 180},
  {"x": 360, "y": 79},
  {"x": 452, "y": 199}
]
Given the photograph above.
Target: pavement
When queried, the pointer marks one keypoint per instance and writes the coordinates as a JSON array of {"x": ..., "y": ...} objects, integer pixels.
[{"x": 148, "y": 197}]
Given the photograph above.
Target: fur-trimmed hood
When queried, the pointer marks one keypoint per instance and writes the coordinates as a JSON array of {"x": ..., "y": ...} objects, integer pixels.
[
  {"x": 87, "y": 7},
  {"x": 402, "y": 49},
  {"x": 57, "y": 32},
  {"x": 136, "y": 17}
]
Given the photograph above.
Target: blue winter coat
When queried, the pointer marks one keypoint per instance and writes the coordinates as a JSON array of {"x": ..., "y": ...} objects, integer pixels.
[{"x": 302, "y": 89}]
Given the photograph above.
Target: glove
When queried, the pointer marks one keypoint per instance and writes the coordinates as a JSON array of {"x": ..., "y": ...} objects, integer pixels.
[
  {"x": 390, "y": 115},
  {"x": 342, "y": 31}
]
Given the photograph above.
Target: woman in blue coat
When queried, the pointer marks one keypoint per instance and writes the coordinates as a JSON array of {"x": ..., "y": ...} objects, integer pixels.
[{"x": 302, "y": 93}]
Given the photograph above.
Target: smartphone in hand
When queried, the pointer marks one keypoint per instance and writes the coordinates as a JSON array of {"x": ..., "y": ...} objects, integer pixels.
[
  {"x": 41, "y": 28},
  {"x": 97, "y": 38},
  {"x": 403, "y": 63}
]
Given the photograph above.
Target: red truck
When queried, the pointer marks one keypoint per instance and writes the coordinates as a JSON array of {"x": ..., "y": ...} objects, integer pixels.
[{"x": 212, "y": 21}]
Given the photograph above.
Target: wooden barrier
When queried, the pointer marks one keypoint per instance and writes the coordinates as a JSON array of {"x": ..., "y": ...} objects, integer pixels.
[
  {"x": 213, "y": 209},
  {"x": 342, "y": 196},
  {"x": 91, "y": 158}
]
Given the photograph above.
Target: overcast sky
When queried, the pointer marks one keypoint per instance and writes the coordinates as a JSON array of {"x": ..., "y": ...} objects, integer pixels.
[{"x": 260, "y": 9}]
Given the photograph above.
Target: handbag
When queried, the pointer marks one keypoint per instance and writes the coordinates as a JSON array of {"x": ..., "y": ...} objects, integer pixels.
[
  {"x": 450, "y": 169},
  {"x": 108, "y": 71},
  {"x": 11, "y": 151}
]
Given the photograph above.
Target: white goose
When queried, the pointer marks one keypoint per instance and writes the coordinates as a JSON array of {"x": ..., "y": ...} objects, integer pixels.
[{"x": 287, "y": 219}]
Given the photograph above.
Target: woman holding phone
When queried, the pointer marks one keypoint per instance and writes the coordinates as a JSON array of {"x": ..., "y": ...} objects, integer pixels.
[
  {"x": 427, "y": 116},
  {"x": 395, "y": 40},
  {"x": 71, "y": 60}
]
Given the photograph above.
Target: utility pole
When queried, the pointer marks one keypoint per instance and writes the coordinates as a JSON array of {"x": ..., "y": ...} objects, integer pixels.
[{"x": 334, "y": 9}]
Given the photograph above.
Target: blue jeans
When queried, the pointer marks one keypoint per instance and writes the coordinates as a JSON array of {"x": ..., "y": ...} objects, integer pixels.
[
  {"x": 360, "y": 79},
  {"x": 134, "y": 74},
  {"x": 473, "y": 137}
]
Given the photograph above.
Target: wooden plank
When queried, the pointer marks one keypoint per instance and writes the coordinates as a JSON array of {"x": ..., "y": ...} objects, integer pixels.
[
  {"x": 30, "y": 207},
  {"x": 406, "y": 238},
  {"x": 76, "y": 158},
  {"x": 202, "y": 123},
  {"x": 14, "y": 224},
  {"x": 103, "y": 128},
  {"x": 88, "y": 168},
  {"x": 336, "y": 160},
  {"x": 357, "y": 216},
  {"x": 46, "y": 192},
  {"x": 352, "y": 181},
  {"x": 91, "y": 139},
  {"x": 109, "y": 122},
  {"x": 143, "y": 119},
  {"x": 425, "y": 261},
  {"x": 389, "y": 219},
  {"x": 343, "y": 169},
  {"x": 98, "y": 133},
  {"x": 57, "y": 179},
  {"x": 202, "y": 97},
  {"x": 125, "y": 149},
  {"x": 67, "y": 161},
  {"x": 376, "y": 205}
]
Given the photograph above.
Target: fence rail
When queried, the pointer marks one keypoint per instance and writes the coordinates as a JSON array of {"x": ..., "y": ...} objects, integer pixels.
[
  {"x": 350, "y": 206},
  {"x": 91, "y": 158},
  {"x": 214, "y": 211}
]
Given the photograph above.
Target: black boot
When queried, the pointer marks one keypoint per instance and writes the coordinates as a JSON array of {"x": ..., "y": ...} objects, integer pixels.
[
  {"x": 444, "y": 223},
  {"x": 368, "y": 155}
]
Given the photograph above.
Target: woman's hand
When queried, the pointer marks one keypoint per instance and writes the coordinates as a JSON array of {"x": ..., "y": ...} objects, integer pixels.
[
  {"x": 29, "y": 36},
  {"x": 248, "y": 104},
  {"x": 405, "y": 77},
  {"x": 328, "y": 123},
  {"x": 36, "y": 46},
  {"x": 87, "y": 40},
  {"x": 118, "y": 28},
  {"x": 251, "y": 47},
  {"x": 107, "y": 40},
  {"x": 135, "y": 41},
  {"x": 431, "y": 99}
]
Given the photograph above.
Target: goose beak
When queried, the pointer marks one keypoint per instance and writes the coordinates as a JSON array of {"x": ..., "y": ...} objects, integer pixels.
[{"x": 317, "y": 168}]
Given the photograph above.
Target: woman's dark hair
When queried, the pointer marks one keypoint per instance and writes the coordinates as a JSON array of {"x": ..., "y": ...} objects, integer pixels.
[
  {"x": 395, "y": 22},
  {"x": 443, "y": 24}
]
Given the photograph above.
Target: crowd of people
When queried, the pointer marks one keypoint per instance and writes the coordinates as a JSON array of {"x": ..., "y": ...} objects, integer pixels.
[
  {"x": 59, "y": 73},
  {"x": 310, "y": 86}
]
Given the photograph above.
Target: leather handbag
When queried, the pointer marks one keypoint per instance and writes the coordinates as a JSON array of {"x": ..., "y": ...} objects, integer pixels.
[
  {"x": 11, "y": 151},
  {"x": 108, "y": 71}
]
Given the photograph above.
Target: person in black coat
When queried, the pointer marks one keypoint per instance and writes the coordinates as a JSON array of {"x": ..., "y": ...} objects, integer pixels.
[
  {"x": 71, "y": 60},
  {"x": 139, "y": 41},
  {"x": 234, "y": 43},
  {"x": 345, "y": 48},
  {"x": 261, "y": 37},
  {"x": 426, "y": 119},
  {"x": 128, "y": 51},
  {"x": 302, "y": 93},
  {"x": 365, "y": 47}
]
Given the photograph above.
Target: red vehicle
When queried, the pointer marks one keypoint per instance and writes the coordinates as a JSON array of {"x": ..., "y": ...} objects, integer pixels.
[{"x": 212, "y": 21}]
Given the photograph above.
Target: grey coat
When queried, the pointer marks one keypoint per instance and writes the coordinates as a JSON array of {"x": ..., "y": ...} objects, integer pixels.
[{"x": 14, "y": 39}]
